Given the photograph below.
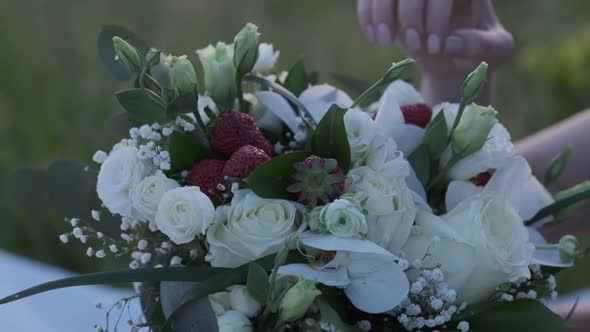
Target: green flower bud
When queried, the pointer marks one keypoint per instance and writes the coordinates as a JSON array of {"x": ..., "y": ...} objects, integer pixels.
[
  {"x": 182, "y": 74},
  {"x": 474, "y": 83},
  {"x": 127, "y": 53},
  {"x": 396, "y": 70},
  {"x": 568, "y": 247},
  {"x": 314, "y": 220},
  {"x": 220, "y": 73},
  {"x": 473, "y": 130},
  {"x": 298, "y": 299},
  {"x": 246, "y": 48}
]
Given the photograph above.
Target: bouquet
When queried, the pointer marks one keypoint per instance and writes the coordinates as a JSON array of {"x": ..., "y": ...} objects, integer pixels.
[{"x": 259, "y": 200}]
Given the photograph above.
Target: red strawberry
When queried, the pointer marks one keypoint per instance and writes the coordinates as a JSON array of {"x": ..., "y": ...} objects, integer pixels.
[
  {"x": 244, "y": 161},
  {"x": 234, "y": 130},
  {"x": 317, "y": 181},
  {"x": 481, "y": 179},
  {"x": 417, "y": 114},
  {"x": 207, "y": 175}
]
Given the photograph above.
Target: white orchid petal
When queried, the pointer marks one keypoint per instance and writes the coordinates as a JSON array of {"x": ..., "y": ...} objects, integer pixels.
[
  {"x": 376, "y": 286},
  {"x": 280, "y": 107},
  {"x": 329, "y": 242},
  {"x": 318, "y": 99},
  {"x": 328, "y": 277},
  {"x": 389, "y": 120},
  {"x": 415, "y": 185},
  {"x": 405, "y": 93},
  {"x": 458, "y": 191},
  {"x": 409, "y": 138}
]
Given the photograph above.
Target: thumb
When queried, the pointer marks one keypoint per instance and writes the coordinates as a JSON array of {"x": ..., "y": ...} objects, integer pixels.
[{"x": 494, "y": 46}]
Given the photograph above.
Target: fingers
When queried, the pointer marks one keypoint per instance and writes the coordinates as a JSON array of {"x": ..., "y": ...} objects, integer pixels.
[
  {"x": 384, "y": 20},
  {"x": 438, "y": 19},
  {"x": 494, "y": 46},
  {"x": 365, "y": 17},
  {"x": 410, "y": 13}
]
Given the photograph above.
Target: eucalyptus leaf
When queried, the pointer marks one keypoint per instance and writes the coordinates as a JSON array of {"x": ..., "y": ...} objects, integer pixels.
[
  {"x": 72, "y": 188},
  {"x": 106, "y": 49},
  {"x": 271, "y": 179},
  {"x": 297, "y": 80},
  {"x": 422, "y": 164},
  {"x": 194, "y": 317},
  {"x": 144, "y": 105},
  {"x": 557, "y": 166},
  {"x": 330, "y": 139},
  {"x": 151, "y": 304},
  {"x": 436, "y": 136},
  {"x": 563, "y": 201},
  {"x": 185, "y": 149},
  {"x": 257, "y": 282}
]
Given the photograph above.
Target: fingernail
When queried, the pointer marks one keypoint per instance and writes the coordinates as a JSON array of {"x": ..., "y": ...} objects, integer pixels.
[
  {"x": 370, "y": 33},
  {"x": 433, "y": 44},
  {"x": 383, "y": 34},
  {"x": 454, "y": 45},
  {"x": 413, "y": 40}
]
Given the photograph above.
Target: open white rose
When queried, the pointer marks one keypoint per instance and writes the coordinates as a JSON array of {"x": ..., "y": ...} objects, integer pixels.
[
  {"x": 147, "y": 194},
  {"x": 343, "y": 219},
  {"x": 118, "y": 175},
  {"x": 241, "y": 300},
  {"x": 250, "y": 227},
  {"x": 481, "y": 244},
  {"x": 267, "y": 57},
  {"x": 184, "y": 213},
  {"x": 234, "y": 321},
  {"x": 389, "y": 208},
  {"x": 494, "y": 153}
]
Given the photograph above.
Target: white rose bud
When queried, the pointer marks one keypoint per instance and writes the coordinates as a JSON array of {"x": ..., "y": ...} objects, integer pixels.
[
  {"x": 343, "y": 219},
  {"x": 241, "y": 300},
  {"x": 568, "y": 247},
  {"x": 250, "y": 227},
  {"x": 298, "y": 299},
  {"x": 147, "y": 194},
  {"x": 184, "y": 213},
  {"x": 119, "y": 174},
  {"x": 473, "y": 129},
  {"x": 234, "y": 321},
  {"x": 220, "y": 73}
]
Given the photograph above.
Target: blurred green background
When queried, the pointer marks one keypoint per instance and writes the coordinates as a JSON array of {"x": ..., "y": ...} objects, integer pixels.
[{"x": 55, "y": 94}]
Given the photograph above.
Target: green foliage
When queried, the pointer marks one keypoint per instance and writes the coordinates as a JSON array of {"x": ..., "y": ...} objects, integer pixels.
[
  {"x": 567, "y": 199},
  {"x": 330, "y": 140},
  {"x": 106, "y": 50},
  {"x": 271, "y": 179},
  {"x": 297, "y": 80},
  {"x": 257, "y": 282},
  {"x": 145, "y": 105},
  {"x": 436, "y": 136},
  {"x": 187, "y": 148},
  {"x": 557, "y": 166},
  {"x": 421, "y": 162}
]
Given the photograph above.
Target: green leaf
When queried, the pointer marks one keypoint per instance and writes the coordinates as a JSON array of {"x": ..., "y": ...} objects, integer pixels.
[
  {"x": 106, "y": 49},
  {"x": 144, "y": 105},
  {"x": 329, "y": 315},
  {"x": 557, "y": 166},
  {"x": 563, "y": 201},
  {"x": 185, "y": 103},
  {"x": 330, "y": 140},
  {"x": 271, "y": 179},
  {"x": 257, "y": 282},
  {"x": 297, "y": 80},
  {"x": 422, "y": 164},
  {"x": 150, "y": 305},
  {"x": 185, "y": 149},
  {"x": 517, "y": 316},
  {"x": 436, "y": 136}
]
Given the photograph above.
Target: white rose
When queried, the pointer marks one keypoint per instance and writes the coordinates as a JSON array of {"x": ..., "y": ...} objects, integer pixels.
[
  {"x": 360, "y": 130},
  {"x": 250, "y": 227},
  {"x": 118, "y": 175},
  {"x": 220, "y": 303},
  {"x": 494, "y": 153},
  {"x": 481, "y": 245},
  {"x": 234, "y": 321},
  {"x": 147, "y": 194},
  {"x": 184, "y": 213},
  {"x": 241, "y": 300},
  {"x": 343, "y": 219},
  {"x": 267, "y": 57},
  {"x": 390, "y": 208}
]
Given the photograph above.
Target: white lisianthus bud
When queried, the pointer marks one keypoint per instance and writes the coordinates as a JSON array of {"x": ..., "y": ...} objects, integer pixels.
[
  {"x": 182, "y": 74},
  {"x": 396, "y": 70},
  {"x": 298, "y": 299},
  {"x": 343, "y": 219},
  {"x": 234, "y": 321},
  {"x": 473, "y": 129},
  {"x": 568, "y": 247},
  {"x": 127, "y": 53},
  {"x": 220, "y": 73},
  {"x": 147, "y": 194},
  {"x": 241, "y": 300},
  {"x": 474, "y": 82},
  {"x": 184, "y": 213},
  {"x": 246, "y": 48}
]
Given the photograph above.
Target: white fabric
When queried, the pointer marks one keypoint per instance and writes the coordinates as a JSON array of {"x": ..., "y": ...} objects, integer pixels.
[{"x": 71, "y": 309}]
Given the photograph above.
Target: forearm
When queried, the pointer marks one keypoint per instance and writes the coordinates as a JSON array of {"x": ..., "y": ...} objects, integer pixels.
[{"x": 540, "y": 148}]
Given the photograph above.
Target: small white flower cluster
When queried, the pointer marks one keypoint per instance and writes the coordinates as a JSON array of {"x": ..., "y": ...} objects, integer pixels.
[
  {"x": 430, "y": 303},
  {"x": 184, "y": 124},
  {"x": 528, "y": 289}
]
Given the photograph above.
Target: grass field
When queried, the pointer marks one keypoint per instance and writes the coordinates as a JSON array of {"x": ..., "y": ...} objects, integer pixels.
[{"x": 55, "y": 95}]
